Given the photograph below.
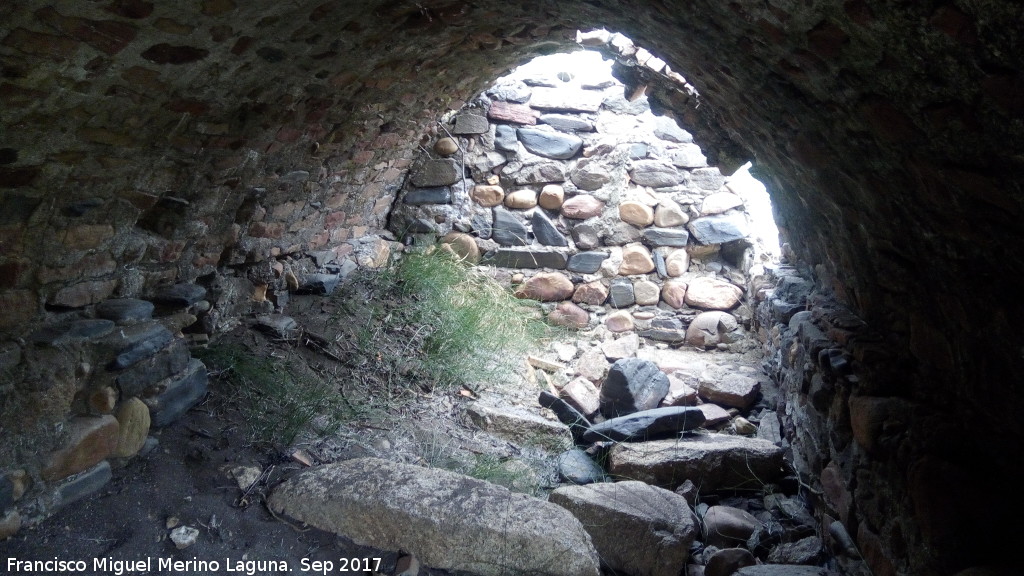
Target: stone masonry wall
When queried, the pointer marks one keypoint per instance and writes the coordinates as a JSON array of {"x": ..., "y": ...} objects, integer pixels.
[{"x": 146, "y": 144}]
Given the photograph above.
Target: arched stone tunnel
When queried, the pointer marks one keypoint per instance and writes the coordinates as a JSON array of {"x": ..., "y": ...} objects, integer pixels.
[{"x": 137, "y": 137}]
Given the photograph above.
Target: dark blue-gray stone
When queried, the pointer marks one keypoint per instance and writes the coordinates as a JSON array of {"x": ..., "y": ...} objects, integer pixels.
[
  {"x": 82, "y": 485},
  {"x": 179, "y": 396},
  {"x": 566, "y": 414},
  {"x": 322, "y": 284},
  {"x": 577, "y": 467},
  {"x": 138, "y": 342},
  {"x": 123, "y": 310},
  {"x": 166, "y": 363},
  {"x": 69, "y": 332},
  {"x": 524, "y": 259},
  {"x": 586, "y": 262},
  {"x": 441, "y": 172},
  {"x": 632, "y": 385},
  {"x": 507, "y": 229},
  {"x": 620, "y": 294},
  {"x": 435, "y": 195},
  {"x": 675, "y": 237},
  {"x": 505, "y": 138},
  {"x": 567, "y": 122},
  {"x": 482, "y": 222},
  {"x": 550, "y": 144},
  {"x": 180, "y": 295},
  {"x": 545, "y": 232},
  {"x": 719, "y": 229},
  {"x": 668, "y": 335},
  {"x": 647, "y": 425},
  {"x": 667, "y": 129},
  {"x": 660, "y": 265}
]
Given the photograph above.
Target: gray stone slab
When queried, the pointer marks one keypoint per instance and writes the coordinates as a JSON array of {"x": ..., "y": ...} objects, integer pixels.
[
  {"x": 632, "y": 385},
  {"x": 577, "y": 467},
  {"x": 586, "y": 262},
  {"x": 433, "y": 195},
  {"x": 440, "y": 172},
  {"x": 525, "y": 259},
  {"x": 180, "y": 295},
  {"x": 470, "y": 124},
  {"x": 647, "y": 425},
  {"x": 138, "y": 342},
  {"x": 179, "y": 396},
  {"x": 505, "y": 138},
  {"x": 507, "y": 229},
  {"x": 69, "y": 332},
  {"x": 620, "y": 294},
  {"x": 83, "y": 485},
  {"x": 674, "y": 237},
  {"x": 719, "y": 229},
  {"x": 545, "y": 232},
  {"x": 550, "y": 144},
  {"x": 169, "y": 361},
  {"x": 122, "y": 310},
  {"x": 567, "y": 122}
]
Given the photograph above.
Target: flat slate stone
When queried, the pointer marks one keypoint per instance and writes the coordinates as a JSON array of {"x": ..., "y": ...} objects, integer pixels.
[
  {"x": 667, "y": 129},
  {"x": 719, "y": 229},
  {"x": 179, "y": 396},
  {"x": 75, "y": 331},
  {"x": 138, "y": 342},
  {"x": 567, "y": 122},
  {"x": 440, "y": 172},
  {"x": 121, "y": 310},
  {"x": 545, "y": 232},
  {"x": 586, "y": 262},
  {"x": 711, "y": 461},
  {"x": 621, "y": 295},
  {"x": 435, "y": 195},
  {"x": 654, "y": 173},
  {"x": 577, "y": 467},
  {"x": 674, "y": 237},
  {"x": 169, "y": 361},
  {"x": 554, "y": 145},
  {"x": 180, "y": 295},
  {"x": 322, "y": 284},
  {"x": 668, "y": 335},
  {"x": 83, "y": 485},
  {"x": 525, "y": 259},
  {"x": 783, "y": 570},
  {"x": 505, "y": 138},
  {"x": 659, "y": 264},
  {"x": 507, "y": 229},
  {"x": 647, "y": 425}
]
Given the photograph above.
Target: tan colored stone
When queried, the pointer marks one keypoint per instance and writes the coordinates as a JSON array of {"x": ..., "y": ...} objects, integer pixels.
[
  {"x": 623, "y": 347},
  {"x": 521, "y": 199},
  {"x": 719, "y": 202},
  {"x": 90, "y": 440},
  {"x": 712, "y": 294},
  {"x": 593, "y": 293},
  {"x": 581, "y": 207},
  {"x": 547, "y": 287},
  {"x": 620, "y": 321},
  {"x": 463, "y": 246},
  {"x": 677, "y": 263},
  {"x": 84, "y": 294},
  {"x": 670, "y": 215},
  {"x": 446, "y": 146},
  {"x": 133, "y": 427},
  {"x": 679, "y": 393},
  {"x": 636, "y": 259},
  {"x": 569, "y": 315},
  {"x": 636, "y": 213},
  {"x": 20, "y": 481},
  {"x": 86, "y": 236},
  {"x": 582, "y": 395},
  {"x": 593, "y": 365},
  {"x": 551, "y": 197},
  {"x": 646, "y": 293},
  {"x": 488, "y": 195},
  {"x": 673, "y": 292}
]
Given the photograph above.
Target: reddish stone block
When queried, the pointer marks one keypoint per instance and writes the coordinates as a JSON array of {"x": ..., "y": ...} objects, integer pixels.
[
  {"x": 266, "y": 230},
  {"x": 333, "y": 219},
  {"x": 516, "y": 113},
  {"x": 164, "y": 53},
  {"x": 90, "y": 441},
  {"x": 36, "y": 43},
  {"x": 363, "y": 157}
]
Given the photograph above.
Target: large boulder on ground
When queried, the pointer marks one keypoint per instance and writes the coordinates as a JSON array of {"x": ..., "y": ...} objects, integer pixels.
[
  {"x": 734, "y": 390},
  {"x": 636, "y": 528},
  {"x": 632, "y": 385},
  {"x": 711, "y": 328},
  {"x": 517, "y": 425},
  {"x": 447, "y": 520},
  {"x": 726, "y": 526},
  {"x": 710, "y": 461}
]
